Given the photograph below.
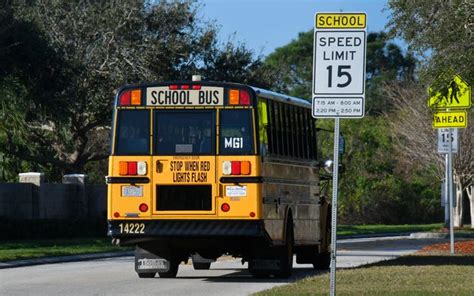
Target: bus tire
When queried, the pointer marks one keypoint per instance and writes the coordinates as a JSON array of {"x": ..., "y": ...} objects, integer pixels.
[
  {"x": 146, "y": 275},
  {"x": 171, "y": 273},
  {"x": 322, "y": 261},
  {"x": 286, "y": 253},
  {"x": 201, "y": 265}
]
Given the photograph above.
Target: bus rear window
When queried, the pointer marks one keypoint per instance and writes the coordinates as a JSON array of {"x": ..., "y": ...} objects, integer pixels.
[
  {"x": 184, "y": 132},
  {"x": 236, "y": 132},
  {"x": 133, "y": 132}
]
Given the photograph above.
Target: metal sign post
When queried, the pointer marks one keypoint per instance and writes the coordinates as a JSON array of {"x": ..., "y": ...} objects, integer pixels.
[
  {"x": 340, "y": 41},
  {"x": 450, "y": 195},
  {"x": 335, "y": 174}
]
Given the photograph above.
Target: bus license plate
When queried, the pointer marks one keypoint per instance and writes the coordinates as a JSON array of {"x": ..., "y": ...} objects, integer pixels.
[{"x": 133, "y": 191}]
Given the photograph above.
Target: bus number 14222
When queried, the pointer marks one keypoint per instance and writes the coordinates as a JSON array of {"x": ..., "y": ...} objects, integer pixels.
[{"x": 132, "y": 228}]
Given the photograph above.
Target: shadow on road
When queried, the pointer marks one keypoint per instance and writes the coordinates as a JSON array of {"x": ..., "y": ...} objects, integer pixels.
[
  {"x": 425, "y": 260},
  {"x": 245, "y": 277}
]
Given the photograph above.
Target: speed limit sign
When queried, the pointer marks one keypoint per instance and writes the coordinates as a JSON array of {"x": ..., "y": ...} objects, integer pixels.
[{"x": 339, "y": 65}]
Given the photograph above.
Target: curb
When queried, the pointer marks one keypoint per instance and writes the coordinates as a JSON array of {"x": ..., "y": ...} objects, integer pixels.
[
  {"x": 440, "y": 235},
  {"x": 375, "y": 235},
  {"x": 63, "y": 259}
]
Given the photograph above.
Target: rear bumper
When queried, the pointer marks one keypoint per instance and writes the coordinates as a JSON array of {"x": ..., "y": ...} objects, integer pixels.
[{"x": 186, "y": 229}]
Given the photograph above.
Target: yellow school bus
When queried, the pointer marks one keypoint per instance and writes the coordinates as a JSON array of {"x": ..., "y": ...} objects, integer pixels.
[{"x": 203, "y": 169}]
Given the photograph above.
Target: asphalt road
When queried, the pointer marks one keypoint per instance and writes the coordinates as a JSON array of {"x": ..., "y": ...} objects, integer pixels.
[{"x": 116, "y": 276}]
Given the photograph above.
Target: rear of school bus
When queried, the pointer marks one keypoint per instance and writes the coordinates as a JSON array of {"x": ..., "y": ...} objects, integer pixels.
[{"x": 184, "y": 173}]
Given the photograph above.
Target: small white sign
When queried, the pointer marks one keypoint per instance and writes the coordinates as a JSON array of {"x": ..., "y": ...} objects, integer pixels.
[
  {"x": 444, "y": 138},
  {"x": 236, "y": 191},
  {"x": 132, "y": 191},
  {"x": 338, "y": 107}
]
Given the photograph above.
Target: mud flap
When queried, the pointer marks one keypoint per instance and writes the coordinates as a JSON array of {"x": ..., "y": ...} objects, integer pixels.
[{"x": 147, "y": 262}]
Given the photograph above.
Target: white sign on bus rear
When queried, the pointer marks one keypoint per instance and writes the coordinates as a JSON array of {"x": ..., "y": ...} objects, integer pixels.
[{"x": 206, "y": 96}]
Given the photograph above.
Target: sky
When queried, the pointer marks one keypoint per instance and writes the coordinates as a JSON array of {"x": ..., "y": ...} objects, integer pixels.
[{"x": 264, "y": 25}]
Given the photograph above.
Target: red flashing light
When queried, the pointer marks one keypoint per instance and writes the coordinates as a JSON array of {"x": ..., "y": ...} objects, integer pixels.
[
  {"x": 125, "y": 98},
  {"x": 143, "y": 207},
  {"x": 196, "y": 87},
  {"x": 244, "y": 97},
  {"x": 235, "y": 167},
  {"x": 225, "y": 207},
  {"x": 173, "y": 87},
  {"x": 184, "y": 86}
]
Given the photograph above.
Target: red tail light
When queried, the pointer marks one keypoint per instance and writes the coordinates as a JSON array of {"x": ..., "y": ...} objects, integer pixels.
[
  {"x": 236, "y": 168},
  {"x": 132, "y": 168}
]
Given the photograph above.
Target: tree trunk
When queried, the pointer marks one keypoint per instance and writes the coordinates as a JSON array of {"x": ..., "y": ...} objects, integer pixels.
[
  {"x": 458, "y": 210},
  {"x": 470, "y": 195}
]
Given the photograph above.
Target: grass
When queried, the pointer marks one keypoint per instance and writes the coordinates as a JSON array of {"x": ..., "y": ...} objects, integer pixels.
[
  {"x": 379, "y": 229},
  {"x": 25, "y": 249},
  {"x": 408, "y": 275}
]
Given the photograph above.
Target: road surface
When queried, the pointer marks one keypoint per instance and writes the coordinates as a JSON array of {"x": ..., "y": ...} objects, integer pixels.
[{"x": 116, "y": 276}]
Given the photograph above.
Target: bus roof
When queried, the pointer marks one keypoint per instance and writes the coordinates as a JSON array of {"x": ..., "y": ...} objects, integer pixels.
[{"x": 281, "y": 97}]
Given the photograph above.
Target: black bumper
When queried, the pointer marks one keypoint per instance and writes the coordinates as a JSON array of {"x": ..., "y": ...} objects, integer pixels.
[{"x": 185, "y": 228}]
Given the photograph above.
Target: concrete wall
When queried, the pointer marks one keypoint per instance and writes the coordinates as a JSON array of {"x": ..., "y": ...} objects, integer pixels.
[{"x": 25, "y": 201}]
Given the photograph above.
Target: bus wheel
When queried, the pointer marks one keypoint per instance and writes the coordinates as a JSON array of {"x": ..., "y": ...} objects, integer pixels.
[
  {"x": 146, "y": 275},
  {"x": 201, "y": 265},
  {"x": 322, "y": 261},
  {"x": 171, "y": 273},
  {"x": 286, "y": 254}
]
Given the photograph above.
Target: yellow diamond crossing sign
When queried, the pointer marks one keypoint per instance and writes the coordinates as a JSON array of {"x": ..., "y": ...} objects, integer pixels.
[{"x": 455, "y": 95}]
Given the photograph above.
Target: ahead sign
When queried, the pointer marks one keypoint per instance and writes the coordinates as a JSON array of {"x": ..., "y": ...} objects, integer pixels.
[{"x": 339, "y": 65}]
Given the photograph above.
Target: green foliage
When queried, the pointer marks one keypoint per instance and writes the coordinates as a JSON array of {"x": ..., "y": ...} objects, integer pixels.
[
  {"x": 62, "y": 60},
  {"x": 439, "y": 31}
]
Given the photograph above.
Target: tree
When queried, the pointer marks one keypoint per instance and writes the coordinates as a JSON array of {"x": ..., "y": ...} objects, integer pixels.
[
  {"x": 99, "y": 46},
  {"x": 441, "y": 32}
]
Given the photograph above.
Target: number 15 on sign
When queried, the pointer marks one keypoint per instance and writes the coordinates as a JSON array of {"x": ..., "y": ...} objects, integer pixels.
[{"x": 339, "y": 61}]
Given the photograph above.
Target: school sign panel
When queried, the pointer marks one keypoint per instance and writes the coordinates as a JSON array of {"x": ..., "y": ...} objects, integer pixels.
[{"x": 339, "y": 65}]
